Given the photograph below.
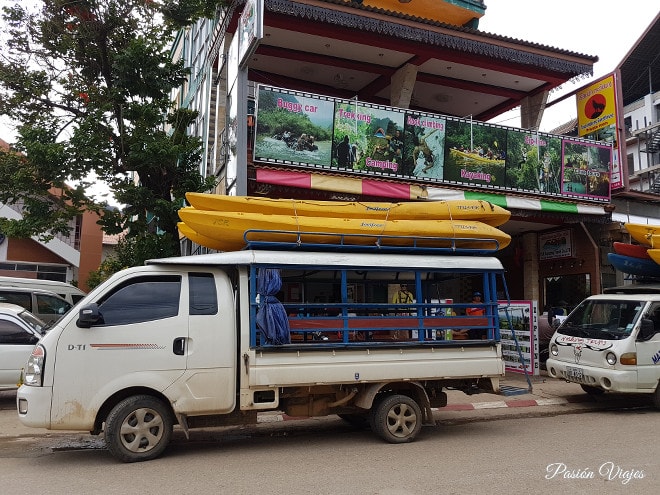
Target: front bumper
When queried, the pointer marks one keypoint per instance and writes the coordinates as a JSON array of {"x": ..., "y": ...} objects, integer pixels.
[
  {"x": 608, "y": 379},
  {"x": 33, "y": 406}
]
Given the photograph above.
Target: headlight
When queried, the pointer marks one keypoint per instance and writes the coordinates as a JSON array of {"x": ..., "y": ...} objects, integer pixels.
[
  {"x": 554, "y": 350},
  {"x": 610, "y": 358},
  {"x": 33, "y": 375}
]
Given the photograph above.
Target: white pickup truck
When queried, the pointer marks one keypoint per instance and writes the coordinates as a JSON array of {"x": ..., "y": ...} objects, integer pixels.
[
  {"x": 611, "y": 342},
  {"x": 212, "y": 340}
]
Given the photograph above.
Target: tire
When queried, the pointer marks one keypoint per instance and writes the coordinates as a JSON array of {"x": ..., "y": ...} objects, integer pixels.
[
  {"x": 138, "y": 428},
  {"x": 360, "y": 421},
  {"x": 656, "y": 397},
  {"x": 592, "y": 390},
  {"x": 396, "y": 419}
]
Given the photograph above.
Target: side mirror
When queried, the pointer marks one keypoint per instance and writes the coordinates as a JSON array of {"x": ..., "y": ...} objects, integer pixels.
[
  {"x": 88, "y": 315},
  {"x": 646, "y": 329}
]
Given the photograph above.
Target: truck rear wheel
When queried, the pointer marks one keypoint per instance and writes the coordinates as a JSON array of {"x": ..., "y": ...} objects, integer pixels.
[
  {"x": 138, "y": 428},
  {"x": 396, "y": 419}
]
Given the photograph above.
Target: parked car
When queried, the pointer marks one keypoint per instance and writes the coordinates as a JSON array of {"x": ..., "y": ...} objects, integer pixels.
[
  {"x": 44, "y": 304},
  {"x": 68, "y": 292},
  {"x": 20, "y": 330}
]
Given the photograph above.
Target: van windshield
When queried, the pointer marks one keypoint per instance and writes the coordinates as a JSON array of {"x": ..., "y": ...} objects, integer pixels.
[{"x": 602, "y": 319}]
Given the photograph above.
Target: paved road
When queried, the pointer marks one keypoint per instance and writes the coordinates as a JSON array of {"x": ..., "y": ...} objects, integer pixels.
[
  {"x": 598, "y": 451},
  {"x": 548, "y": 398}
]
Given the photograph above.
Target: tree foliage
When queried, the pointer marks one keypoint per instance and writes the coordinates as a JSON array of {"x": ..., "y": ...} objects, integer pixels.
[{"x": 89, "y": 84}]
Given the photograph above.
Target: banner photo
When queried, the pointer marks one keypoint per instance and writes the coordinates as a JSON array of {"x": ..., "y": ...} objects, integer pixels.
[
  {"x": 586, "y": 170},
  {"x": 368, "y": 139},
  {"x": 596, "y": 106},
  {"x": 312, "y": 131},
  {"x": 533, "y": 162},
  {"x": 608, "y": 135},
  {"x": 475, "y": 154},
  {"x": 424, "y": 146},
  {"x": 295, "y": 128}
]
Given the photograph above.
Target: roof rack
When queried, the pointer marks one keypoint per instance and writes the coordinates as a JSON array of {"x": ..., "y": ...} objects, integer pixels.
[{"x": 290, "y": 239}]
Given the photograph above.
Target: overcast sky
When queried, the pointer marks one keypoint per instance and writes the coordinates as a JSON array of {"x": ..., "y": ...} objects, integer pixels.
[{"x": 607, "y": 29}]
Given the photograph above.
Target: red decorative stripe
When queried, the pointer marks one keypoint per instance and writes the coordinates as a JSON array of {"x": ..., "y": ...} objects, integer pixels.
[{"x": 125, "y": 346}]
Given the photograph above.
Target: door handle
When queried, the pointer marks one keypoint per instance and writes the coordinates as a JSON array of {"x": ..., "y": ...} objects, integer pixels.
[{"x": 179, "y": 346}]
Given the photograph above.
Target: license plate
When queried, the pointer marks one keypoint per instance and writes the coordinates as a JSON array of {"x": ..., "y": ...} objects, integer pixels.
[{"x": 574, "y": 374}]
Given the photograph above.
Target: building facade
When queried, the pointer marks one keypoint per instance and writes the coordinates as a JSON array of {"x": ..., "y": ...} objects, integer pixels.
[
  {"x": 431, "y": 62},
  {"x": 65, "y": 258}
]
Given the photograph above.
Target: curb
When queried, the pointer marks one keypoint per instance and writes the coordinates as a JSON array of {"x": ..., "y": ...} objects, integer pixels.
[
  {"x": 502, "y": 404},
  {"x": 274, "y": 418}
]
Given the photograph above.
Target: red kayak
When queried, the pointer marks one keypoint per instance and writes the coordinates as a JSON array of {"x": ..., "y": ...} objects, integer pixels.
[{"x": 631, "y": 250}]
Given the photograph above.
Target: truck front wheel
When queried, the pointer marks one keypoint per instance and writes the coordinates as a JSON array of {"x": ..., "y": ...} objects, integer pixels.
[
  {"x": 138, "y": 428},
  {"x": 396, "y": 419}
]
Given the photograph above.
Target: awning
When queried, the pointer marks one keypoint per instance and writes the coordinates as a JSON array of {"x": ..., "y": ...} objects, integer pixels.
[
  {"x": 517, "y": 202},
  {"x": 402, "y": 191},
  {"x": 350, "y": 185}
]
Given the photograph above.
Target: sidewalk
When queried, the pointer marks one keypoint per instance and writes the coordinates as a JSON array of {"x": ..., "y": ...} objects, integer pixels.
[{"x": 548, "y": 396}]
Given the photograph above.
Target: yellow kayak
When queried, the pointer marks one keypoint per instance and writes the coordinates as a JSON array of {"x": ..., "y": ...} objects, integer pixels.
[
  {"x": 202, "y": 240},
  {"x": 655, "y": 253},
  {"x": 233, "y": 228},
  {"x": 644, "y": 234},
  {"x": 468, "y": 209}
]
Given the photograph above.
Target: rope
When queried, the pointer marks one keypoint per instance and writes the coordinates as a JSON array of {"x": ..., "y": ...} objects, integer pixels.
[
  {"x": 451, "y": 219},
  {"x": 387, "y": 216},
  {"x": 295, "y": 215}
]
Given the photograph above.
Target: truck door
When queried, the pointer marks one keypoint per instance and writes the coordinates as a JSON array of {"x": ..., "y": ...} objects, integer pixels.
[
  {"x": 209, "y": 384},
  {"x": 139, "y": 340},
  {"x": 648, "y": 353}
]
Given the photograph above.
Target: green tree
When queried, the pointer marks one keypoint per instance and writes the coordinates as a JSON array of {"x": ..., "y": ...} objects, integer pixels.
[{"x": 89, "y": 85}]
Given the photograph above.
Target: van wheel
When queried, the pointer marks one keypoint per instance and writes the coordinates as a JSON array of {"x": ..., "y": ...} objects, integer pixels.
[
  {"x": 592, "y": 390},
  {"x": 656, "y": 397},
  {"x": 396, "y": 419},
  {"x": 138, "y": 428}
]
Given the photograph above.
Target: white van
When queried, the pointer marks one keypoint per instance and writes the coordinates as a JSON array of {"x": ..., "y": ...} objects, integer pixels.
[
  {"x": 44, "y": 304},
  {"x": 610, "y": 342},
  {"x": 66, "y": 291}
]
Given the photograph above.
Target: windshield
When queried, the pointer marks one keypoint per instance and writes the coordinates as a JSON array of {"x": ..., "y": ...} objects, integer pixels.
[
  {"x": 601, "y": 319},
  {"x": 33, "y": 322}
]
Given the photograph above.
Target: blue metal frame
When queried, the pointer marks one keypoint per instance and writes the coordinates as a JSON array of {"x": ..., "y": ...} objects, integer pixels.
[
  {"x": 388, "y": 311},
  {"x": 372, "y": 243}
]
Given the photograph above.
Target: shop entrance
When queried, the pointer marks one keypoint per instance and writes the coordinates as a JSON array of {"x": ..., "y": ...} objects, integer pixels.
[{"x": 566, "y": 290}]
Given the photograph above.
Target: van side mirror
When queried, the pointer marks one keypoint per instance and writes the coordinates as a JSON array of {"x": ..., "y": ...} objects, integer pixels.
[
  {"x": 646, "y": 329},
  {"x": 88, "y": 315}
]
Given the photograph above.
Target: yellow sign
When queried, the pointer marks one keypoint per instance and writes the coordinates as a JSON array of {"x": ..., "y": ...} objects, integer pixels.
[{"x": 596, "y": 106}]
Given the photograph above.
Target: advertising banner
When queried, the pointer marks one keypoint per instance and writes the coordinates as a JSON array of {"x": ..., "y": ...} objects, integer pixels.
[
  {"x": 475, "y": 154},
  {"x": 250, "y": 30},
  {"x": 368, "y": 138},
  {"x": 312, "y": 131},
  {"x": 596, "y": 106},
  {"x": 293, "y": 128},
  {"x": 519, "y": 319},
  {"x": 586, "y": 170},
  {"x": 533, "y": 162},
  {"x": 555, "y": 245}
]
